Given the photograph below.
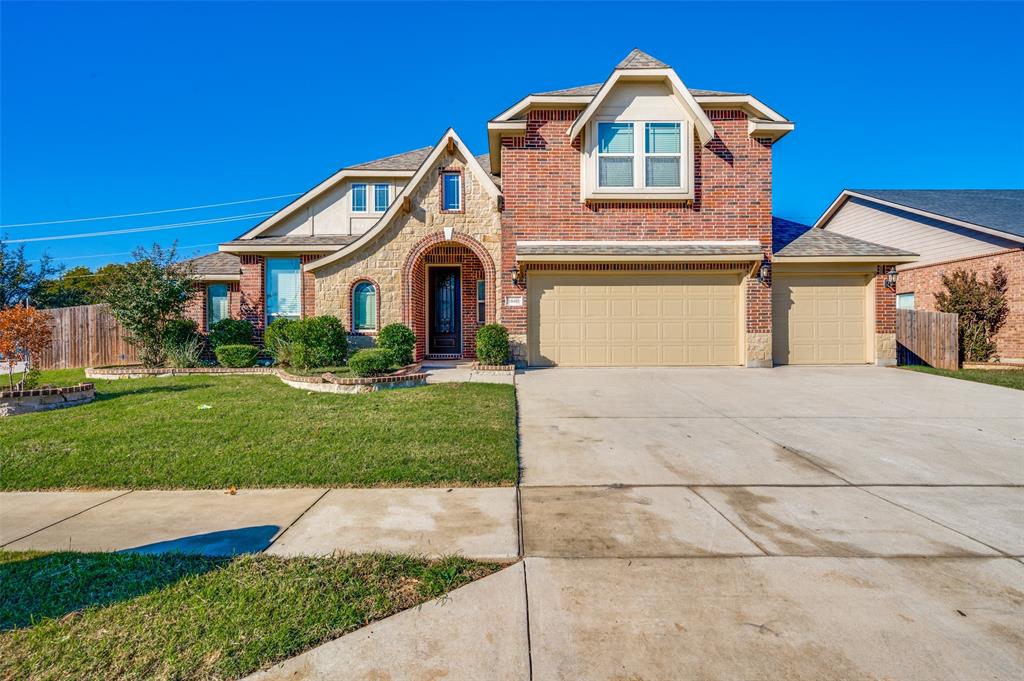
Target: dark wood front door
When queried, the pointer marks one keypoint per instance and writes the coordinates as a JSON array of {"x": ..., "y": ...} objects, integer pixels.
[{"x": 445, "y": 309}]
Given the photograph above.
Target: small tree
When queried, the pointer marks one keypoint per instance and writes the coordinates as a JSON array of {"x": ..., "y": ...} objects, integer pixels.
[
  {"x": 982, "y": 308},
  {"x": 19, "y": 281},
  {"x": 24, "y": 333},
  {"x": 146, "y": 294}
]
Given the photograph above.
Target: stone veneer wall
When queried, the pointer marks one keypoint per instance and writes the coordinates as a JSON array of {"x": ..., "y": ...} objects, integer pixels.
[
  {"x": 13, "y": 403},
  {"x": 386, "y": 257}
]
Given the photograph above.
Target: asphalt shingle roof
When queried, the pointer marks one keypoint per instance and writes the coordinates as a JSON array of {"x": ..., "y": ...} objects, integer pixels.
[
  {"x": 1001, "y": 209},
  {"x": 568, "y": 248},
  {"x": 794, "y": 239},
  {"x": 338, "y": 240},
  {"x": 215, "y": 264},
  {"x": 638, "y": 59},
  {"x": 591, "y": 90},
  {"x": 407, "y": 160}
]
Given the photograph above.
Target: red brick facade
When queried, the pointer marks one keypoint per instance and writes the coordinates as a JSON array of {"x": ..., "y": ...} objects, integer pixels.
[
  {"x": 541, "y": 185},
  {"x": 926, "y": 280},
  {"x": 195, "y": 309},
  {"x": 885, "y": 303}
]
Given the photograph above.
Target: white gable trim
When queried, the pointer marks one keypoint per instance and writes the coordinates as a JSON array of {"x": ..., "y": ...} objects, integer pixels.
[
  {"x": 846, "y": 194},
  {"x": 316, "y": 192},
  {"x": 395, "y": 208},
  {"x": 705, "y": 130}
]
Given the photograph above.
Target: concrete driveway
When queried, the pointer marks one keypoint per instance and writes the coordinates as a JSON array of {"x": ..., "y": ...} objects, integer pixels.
[{"x": 797, "y": 523}]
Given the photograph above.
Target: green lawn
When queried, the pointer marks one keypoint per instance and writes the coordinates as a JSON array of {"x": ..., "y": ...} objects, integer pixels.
[
  {"x": 1008, "y": 378},
  {"x": 209, "y": 432},
  {"x": 129, "y": 616}
]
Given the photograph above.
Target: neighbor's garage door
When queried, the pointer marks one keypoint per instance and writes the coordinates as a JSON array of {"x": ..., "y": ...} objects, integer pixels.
[
  {"x": 634, "y": 319},
  {"x": 820, "y": 319}
]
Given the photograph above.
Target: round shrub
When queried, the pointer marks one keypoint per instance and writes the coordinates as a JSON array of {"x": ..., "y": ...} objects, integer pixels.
[
  {"x": 400, "y": 340},
  {"x": 231, "y": 332},
  {"x": 324, "y": 339},
  {"x": 492, "y": 344},
  {"x": 371, "y": 362},
  {"x": 277, "y": 339},
  {"x": 237, "y": 355}
]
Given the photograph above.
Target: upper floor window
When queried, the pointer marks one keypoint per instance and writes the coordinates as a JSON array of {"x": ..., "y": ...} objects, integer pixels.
[
  {"x": 615, "y": 154},
  {"x": 216, "y": 303},
  {"x": 283, "y": 288},
  {"x": 451, "y": 191},
  {"x": 662, "y": 154},
  {"x": 358, "y": 198},
  {"x": 381, "y": 197},
  {"x": 364, "y": 307}
]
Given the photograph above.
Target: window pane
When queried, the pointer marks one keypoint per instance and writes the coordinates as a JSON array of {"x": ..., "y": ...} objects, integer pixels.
[
  {"x": 216, "y": 303},
  {"x": 284, "y": 288},
  {"x": 663, "y": 138},
  {"x": 452, "y": 190},
  {"x": 364, "y": 302},
  {"x": 380, "y": 197},
  {"x": 481, "y": 301},
  {"x": 615, "y": 138},
  {"x": 615, "y": 171},
  {"x": 359, "y": 198},
  {"x": 905, "y": 301},
  {"x": 662, "y": 171}
]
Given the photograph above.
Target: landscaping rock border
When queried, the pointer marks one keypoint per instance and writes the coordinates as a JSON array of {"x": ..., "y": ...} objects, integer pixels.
[
  {"x": 15, "y": 402},
  {"x": 502, "y": 368},
  {"x": 114, "y": 373}
]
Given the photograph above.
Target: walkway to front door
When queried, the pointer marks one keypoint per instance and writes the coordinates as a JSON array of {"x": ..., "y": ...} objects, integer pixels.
[{"x": 444, "y": 305}]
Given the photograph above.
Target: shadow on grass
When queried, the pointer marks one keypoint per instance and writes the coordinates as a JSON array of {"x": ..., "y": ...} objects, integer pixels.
[
  {"x": 103, "y": 395},
  {"x": 52, "y": 585}
]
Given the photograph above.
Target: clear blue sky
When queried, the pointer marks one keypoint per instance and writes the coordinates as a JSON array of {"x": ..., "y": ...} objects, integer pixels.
[{"x": 128, "y": 107}]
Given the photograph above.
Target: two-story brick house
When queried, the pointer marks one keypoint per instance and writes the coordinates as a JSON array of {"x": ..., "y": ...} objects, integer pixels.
[{"x": 623, "y": 223}]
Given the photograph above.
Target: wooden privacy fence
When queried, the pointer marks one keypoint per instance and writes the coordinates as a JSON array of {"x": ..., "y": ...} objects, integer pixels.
[
  {"x": 86, "y": 336},
  {"x": 927, "y": 338}
]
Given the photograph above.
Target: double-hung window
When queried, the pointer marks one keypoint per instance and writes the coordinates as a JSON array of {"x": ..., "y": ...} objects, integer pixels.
[
  {"x": 216, "y": 303},
  {"x": 451, "y": 191},
  {"x": 358, "y": 198},
  {"x": 615, "y": 150},
  {"x": 283, "y": 288},
  {"x": 481, "y": 301},
  {"x": 663, "y": 158},
  {"x": 381, "y": 197}
]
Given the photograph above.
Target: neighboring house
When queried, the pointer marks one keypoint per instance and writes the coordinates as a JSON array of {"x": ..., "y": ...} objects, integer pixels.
[
  {"x": 627, "y": 223},
  {"x": 971, "y": 229}
]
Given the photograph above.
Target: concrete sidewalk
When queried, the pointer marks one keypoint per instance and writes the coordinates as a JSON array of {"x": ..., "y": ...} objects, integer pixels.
[{"x": 476, "y": 523}]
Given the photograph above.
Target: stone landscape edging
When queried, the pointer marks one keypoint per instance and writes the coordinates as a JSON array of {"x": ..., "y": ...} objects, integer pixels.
[
  {"x": 15, "y": 402},
  {"x": 407, "y": 377}
]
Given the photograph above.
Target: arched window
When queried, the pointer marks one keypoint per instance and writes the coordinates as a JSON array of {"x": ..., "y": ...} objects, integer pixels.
[{"x": 364, "y": 307}]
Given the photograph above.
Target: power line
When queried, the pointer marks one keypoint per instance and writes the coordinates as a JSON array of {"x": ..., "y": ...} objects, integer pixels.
[
  {"x": 151, "y": 228},
  {"x": 110, "y": 255},
  {"x": 148, "y": 212}
]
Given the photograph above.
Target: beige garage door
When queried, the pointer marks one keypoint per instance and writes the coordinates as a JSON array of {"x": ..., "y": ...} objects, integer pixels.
[
  {"x": 820, "y": 319},
  {"x": 634, "y": 319}
]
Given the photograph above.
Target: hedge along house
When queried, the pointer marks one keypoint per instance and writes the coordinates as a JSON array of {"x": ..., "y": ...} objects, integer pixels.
[{"x": 623, "y": 223}]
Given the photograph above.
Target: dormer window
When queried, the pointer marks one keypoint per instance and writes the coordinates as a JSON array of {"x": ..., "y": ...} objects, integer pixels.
[
  {"x": 615, "y": 149},
  {"x": 639, "y": 158},
  {"x": 662, "y": 154}
]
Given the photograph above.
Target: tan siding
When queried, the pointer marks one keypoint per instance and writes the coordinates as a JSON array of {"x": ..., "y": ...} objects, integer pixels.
[{"x": 933, "y": 240}]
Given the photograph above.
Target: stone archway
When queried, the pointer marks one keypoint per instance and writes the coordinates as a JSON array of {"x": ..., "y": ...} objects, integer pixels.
[{"x": 474, "y": 264}]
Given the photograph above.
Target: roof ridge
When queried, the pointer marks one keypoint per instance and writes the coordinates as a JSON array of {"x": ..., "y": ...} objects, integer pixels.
[
  {"x": 385, "y": 158},
  {"x": 638, "y": 59}
]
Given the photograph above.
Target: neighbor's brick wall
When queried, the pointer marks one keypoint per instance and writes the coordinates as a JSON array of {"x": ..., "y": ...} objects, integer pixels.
[
  {"x": 541, "y": 185},
  {"x": 925, "y": 281}
]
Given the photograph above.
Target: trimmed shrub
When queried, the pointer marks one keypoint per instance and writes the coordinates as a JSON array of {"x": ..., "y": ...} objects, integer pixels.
[
  {"x": 179, "y": 332},
  {"x": 371, "y": 362},
  {"x": 400, "y": 340},
  {"x": 183, "y": 344},
  {"x": 492, "y": 344},
  {"x": 237, "y": 355},
  {"x": 277, "y": 340},
  {"x": 324, "y": 339},
  {"x": 231, "y": 332}
]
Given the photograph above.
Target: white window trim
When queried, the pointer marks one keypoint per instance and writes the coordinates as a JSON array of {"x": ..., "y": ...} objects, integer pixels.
[
  {"x": 445, "y": 174},
  {"x": 268, "y": 318},
  {"x": 613, "y": 154},
  {"x": 387, "y": 202},
  {"x": 376, "y": 306},
  {"x": 655, "y": 154},
  {"x": 227, "y": 297},
  {"x": 366, "y": 197},
  {"x": 589, "y": 168}
]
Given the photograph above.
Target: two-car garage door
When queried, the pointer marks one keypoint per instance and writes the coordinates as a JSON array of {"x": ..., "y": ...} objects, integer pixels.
[{"x": 634, "y": 319}]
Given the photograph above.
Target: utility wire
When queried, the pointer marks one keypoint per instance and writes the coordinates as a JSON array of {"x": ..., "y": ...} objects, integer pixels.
[
  {"x": 148, "y": 212},
  {"x": 151, "y": 228},
  {"x": 111, "y": 255}
]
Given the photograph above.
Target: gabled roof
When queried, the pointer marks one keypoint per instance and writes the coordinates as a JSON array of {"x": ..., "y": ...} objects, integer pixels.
[
  {"x": 638, "y": 59},
  {"x": 638, "y": 64},
  {"x": 216, "y": 266},
  {"x": 591, "y": 90},
  {"x": 407, "y": 160},
  {"x": 396, "y": 207},
  {"x": 994, "y": 209},
  {"x": 795, "y": 240}
]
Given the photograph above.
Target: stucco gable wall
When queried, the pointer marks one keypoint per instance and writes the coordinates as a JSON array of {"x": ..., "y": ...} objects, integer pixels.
[
  {"x": 382, "y": 260},
  {"x": 330, "y": 213},
  {"x": 934, "y": 240}
]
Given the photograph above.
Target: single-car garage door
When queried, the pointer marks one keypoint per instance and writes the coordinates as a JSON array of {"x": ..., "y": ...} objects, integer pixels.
[
  {"x": 633, "y": 319},
  {"x": 820, "y": 319}
]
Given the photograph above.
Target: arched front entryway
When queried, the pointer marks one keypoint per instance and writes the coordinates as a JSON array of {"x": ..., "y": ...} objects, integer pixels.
[{"x": 442, "y": 281}]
